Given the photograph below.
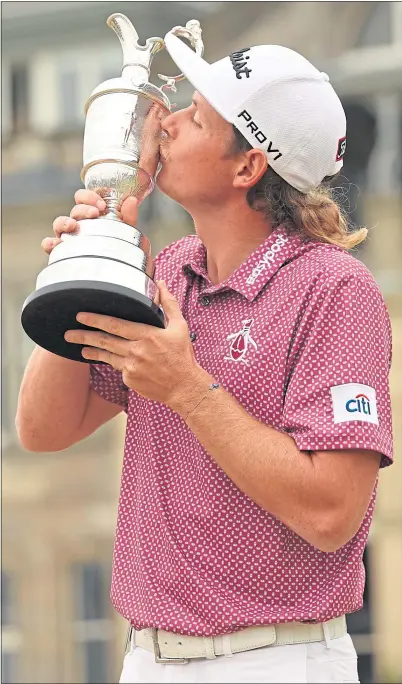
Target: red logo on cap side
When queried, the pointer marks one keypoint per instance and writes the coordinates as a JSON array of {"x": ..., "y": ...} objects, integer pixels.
[{"x": 341, "y": 149}]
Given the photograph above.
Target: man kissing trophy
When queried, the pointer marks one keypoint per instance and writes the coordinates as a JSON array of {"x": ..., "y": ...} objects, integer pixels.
[{"x": 106, "y": 266}]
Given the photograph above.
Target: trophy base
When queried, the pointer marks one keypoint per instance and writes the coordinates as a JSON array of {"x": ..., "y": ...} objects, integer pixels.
[{"x": 50, "y": 311}]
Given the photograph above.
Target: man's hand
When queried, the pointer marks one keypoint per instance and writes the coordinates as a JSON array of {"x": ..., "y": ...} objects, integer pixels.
[
  {"x": 88, "y": 205},
  {"x": 158, "y": 364},
  {"x": 151, "y": 135}
]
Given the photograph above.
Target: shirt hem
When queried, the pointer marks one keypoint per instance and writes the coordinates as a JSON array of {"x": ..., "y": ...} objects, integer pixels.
[{"x": 307, "y": 444}]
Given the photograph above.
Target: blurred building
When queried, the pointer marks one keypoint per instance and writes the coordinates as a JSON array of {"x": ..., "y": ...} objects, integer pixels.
[{"x": 59, "y": 510}]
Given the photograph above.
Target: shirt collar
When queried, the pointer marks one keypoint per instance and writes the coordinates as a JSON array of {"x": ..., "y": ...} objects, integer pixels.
[
  {"x": 255, "y": 272},
  {"x": 197, "y": 263}
]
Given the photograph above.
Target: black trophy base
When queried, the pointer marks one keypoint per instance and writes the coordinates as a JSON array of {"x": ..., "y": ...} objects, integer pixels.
[{"x": 49, "y": 312}]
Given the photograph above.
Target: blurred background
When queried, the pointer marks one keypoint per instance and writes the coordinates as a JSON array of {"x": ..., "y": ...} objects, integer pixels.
[{"x": 59, "y": 510}]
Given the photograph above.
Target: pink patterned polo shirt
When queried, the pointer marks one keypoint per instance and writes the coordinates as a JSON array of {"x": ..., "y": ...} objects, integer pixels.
[{"x": 300, "y": 336}]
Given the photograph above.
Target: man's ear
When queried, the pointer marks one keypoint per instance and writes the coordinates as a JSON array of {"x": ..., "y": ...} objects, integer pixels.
[{"x": 252, "y": 166}]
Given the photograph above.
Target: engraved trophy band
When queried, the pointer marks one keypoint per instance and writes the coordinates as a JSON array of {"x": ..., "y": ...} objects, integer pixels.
[{"x": 105, "y": 266}]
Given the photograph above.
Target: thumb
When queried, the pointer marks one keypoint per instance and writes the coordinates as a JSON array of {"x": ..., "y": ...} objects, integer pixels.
[
  {"x": 169, "y": 302},
  {"x": 129, "y": 211}
]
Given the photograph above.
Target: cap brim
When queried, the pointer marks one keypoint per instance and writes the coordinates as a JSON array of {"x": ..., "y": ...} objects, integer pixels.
[{"x": 198, "y": 72}]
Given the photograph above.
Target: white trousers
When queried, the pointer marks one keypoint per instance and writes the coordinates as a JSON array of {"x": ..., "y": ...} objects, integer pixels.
[{"x": 295, "y": 664}]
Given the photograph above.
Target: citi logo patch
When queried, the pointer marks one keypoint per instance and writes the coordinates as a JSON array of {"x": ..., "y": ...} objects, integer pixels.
[
  {"x": 360, "y": 404},
  {"x": 354, "y": 402}
]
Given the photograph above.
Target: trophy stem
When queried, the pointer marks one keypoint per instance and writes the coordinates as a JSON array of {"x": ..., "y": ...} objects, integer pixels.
[{"x": 112, "y": 206}]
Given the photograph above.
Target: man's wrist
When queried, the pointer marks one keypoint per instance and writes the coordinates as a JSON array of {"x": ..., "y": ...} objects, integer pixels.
[{"x": 191, "y": 392}]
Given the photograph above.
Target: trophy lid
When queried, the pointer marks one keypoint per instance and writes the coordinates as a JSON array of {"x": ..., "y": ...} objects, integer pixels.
[{"x": 136, "y": 58}]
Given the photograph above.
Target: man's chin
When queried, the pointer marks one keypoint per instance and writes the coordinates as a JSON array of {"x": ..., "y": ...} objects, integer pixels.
[{"x": 164, "y": 185}]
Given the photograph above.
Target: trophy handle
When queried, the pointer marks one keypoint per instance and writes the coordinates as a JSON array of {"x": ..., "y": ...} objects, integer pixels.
[
  {"x": 134, "y": 55},
  {"x": 192, "y": 31}
]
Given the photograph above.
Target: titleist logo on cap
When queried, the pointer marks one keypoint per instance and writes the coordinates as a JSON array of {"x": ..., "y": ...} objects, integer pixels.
[{"x": 239, "y": 63}]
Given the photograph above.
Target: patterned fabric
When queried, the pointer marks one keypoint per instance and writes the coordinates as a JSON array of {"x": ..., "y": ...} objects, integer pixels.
[{"x": 193, "y": 554}]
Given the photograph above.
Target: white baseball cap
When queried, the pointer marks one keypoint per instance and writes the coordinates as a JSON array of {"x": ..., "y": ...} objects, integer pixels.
[{"x": 280, "y": 103}]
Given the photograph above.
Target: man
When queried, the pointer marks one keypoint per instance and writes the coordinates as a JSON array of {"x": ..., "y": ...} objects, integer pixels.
[{"x": 258, "y": 419}]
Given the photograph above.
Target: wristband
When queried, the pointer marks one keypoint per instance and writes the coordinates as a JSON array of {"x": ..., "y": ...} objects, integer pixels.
[{"x": 214, "y": 386}]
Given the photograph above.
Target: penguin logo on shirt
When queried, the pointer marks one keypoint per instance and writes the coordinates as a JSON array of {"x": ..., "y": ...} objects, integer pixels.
[{"x": 239, "y": 343}]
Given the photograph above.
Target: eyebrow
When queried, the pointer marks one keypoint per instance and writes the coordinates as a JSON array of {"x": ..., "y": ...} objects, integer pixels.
[{"x": 196, "y": 102}]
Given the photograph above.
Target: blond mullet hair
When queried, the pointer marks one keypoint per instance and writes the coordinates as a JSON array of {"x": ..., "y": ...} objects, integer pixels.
[{"x": 316, "y": 215}]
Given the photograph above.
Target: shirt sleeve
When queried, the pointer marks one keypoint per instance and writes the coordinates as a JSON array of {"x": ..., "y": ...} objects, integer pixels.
[
  {"x": 337, "y": 393},
  {"x": 108, "y": 383}
]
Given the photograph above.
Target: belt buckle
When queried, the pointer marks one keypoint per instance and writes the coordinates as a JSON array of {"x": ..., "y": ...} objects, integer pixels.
[{"x": 157, "y": 653}]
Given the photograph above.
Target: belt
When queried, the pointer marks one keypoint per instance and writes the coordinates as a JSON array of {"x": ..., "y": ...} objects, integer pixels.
[{"x": 169, "y": 647}]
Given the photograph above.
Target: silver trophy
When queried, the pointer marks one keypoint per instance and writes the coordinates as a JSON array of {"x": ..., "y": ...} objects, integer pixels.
[{"x": 105, "y": 266}]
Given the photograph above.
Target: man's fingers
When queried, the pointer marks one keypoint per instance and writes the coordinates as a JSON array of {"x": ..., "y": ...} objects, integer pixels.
[
  {"x": 88, "y": 205},
  {"x": 100, "y": 340},
  {"x": 117, "y": 362},
  {"x": 48, "y": 244},
  {"x": 89, "y": 197},
  {"x": 63, "y": 224},
  {"x": 151, "y": 137},
  {"x": 116, "y": 326},
  {"x": 84, "y": 211},
  {"x": 170, "y": 304}
]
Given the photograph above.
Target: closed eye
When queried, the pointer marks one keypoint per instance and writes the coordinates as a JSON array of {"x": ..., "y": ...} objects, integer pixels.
[{"x": 197, "y": 123}]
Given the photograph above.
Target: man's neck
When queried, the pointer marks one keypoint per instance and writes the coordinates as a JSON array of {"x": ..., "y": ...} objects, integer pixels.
[{"x": 230, "y": 235}]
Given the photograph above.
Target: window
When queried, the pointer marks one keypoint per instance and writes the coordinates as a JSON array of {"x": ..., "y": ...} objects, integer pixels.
[
  {"x": 6, "y": 122},
  {"x": 109, "y": 63},
  {"x": 19, "y": 96},
  {"x": 7, "y": 607},
  {"x": 8, "y": 667},
  {"x": 6, "y": 412},
  {"x": 93, "y": 626},
  {"x": 91, "y": 591},
  {"x": 69, "y": 99},
  {"x": 11, "y": 637},
  {"x": 377, "y": 28},
  {"x": 109, "y": 73},
  {"x": 360, "y": 628}
]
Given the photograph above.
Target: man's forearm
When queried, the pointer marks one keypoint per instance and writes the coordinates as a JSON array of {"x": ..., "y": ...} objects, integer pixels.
[
  {"x": 263, "y": 462},
  {"x": 52, "y": 401}
]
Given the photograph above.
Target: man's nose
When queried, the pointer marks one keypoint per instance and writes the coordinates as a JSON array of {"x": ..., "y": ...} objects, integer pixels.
[{"x": 170, "y": 124}]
